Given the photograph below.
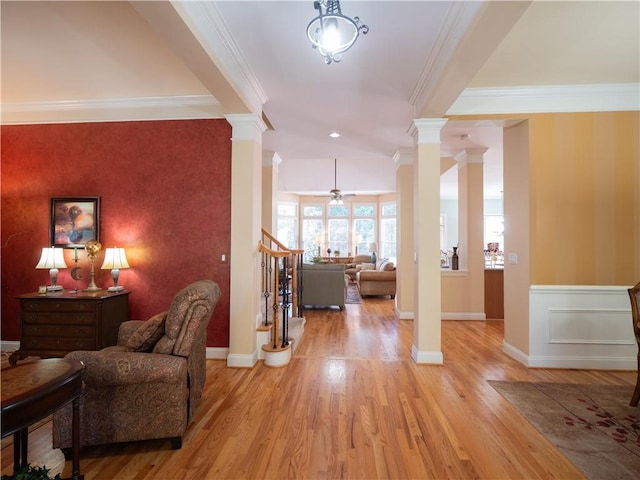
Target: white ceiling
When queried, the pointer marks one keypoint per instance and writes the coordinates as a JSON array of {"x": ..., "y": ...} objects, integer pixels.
[{"x": 233, "y": 56}]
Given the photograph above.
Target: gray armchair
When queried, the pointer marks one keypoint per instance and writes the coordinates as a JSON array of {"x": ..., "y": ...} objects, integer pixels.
[
  {"x": 148, "y": 385},
  {"x": 324, "y": 285}
]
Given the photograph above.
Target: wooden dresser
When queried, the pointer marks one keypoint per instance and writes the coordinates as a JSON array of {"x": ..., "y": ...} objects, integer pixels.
[{"x": 55, "y": 324}]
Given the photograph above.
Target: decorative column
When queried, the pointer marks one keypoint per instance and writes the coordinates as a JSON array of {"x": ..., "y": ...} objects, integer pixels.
[
  {"x": 270, "y": 169},
  {"x": 427, "y": 341},
  {"x": 404, "y": 233},
  {"x": 246, "y": 198},
  {"x": 471, "y": 227}
]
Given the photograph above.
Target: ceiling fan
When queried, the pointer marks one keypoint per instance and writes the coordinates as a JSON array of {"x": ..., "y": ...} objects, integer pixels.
[{"x": 336, "y": 195}]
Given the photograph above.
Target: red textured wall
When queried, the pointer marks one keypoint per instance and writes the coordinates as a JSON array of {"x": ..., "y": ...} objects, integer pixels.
[{"x": 165, "y": 193}]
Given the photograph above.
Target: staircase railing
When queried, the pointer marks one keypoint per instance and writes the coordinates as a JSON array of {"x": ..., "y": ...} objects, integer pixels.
[{"x": 281, "y": 278}]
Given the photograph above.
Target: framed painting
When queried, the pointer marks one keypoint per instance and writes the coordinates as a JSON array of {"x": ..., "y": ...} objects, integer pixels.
[{"x": 74, "y": 221}]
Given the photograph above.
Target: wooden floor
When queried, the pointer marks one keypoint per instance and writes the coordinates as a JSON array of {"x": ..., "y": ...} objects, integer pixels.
[{"x": 351, "y": 404}]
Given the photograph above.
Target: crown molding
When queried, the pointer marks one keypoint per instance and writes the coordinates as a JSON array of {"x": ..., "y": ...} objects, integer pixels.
[
  {"x": 178, "y": 107},
  {"x": 548, "y": 99},
  {"x": 206, "y": 19}
]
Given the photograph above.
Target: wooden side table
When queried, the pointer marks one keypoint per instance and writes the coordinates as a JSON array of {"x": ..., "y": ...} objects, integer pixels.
[
  {"x": 57, "y": 323},
  {"x": 33, "y": 390}
]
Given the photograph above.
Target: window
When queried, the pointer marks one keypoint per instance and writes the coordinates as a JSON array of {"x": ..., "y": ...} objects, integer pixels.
[
  {"x": 494, "y": 230},
  {"x": 312, "y": 231},
  {"x": 388, "y": 226},
  {"x": 338, "y": 228},
  {"x": 443, "y": 233},
  {"x": 364, "y": 227},
  {"x": 287, "y": 227}
]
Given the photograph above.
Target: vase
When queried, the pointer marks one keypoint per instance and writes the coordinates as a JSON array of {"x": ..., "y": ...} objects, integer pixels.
[{"x": 454, "y": 259}]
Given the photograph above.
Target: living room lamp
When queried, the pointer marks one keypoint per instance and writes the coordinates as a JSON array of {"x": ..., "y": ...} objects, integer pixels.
[
  {"x": 373, "y": 246},
  {"x": 333, "y": 33},
  {"x": 115, "y": 258},
  {"x": 53, "y": 259}
]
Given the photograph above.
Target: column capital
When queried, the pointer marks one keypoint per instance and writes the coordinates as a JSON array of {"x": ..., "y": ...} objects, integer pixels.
[
  {"x": 470, "y": 155},
  {"x": 247, "y": 126},
  {"x": 271, "y": 159},
  {"x": 403, "y": 156},
  {"x": 427, "y": 130}
]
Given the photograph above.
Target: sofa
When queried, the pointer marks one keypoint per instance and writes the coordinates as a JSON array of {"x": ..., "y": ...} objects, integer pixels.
[
  {"x": 353, "y": 267},
  {"x": 149, "y": 384},
  {"x": 378, "y": 279},
  {"x": 324, "y": 284}
]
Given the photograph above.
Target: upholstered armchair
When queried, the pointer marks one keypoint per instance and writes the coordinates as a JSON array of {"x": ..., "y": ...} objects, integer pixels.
[
  {"x": 149, "y": 384},
  {"x": 380, "y": 280}
]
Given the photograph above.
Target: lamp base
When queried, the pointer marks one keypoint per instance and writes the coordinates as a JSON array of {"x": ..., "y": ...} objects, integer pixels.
[
  {"x": 117, "y": 288},
  {"x": 92, "y": 288},
  {"x": 54, "y": 288}
]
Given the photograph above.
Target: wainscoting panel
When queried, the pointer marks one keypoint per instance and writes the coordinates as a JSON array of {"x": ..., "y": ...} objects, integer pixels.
[{"x": 581, "y": 327}]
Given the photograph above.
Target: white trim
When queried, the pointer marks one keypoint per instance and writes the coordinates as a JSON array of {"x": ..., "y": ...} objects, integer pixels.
[
  {"x": 581, "y": 326},
  {"x": 404, "y": 315},
  {"x": 463, "y": 316},
  {"x": 217, "y": 353},
  {"x": 548, "y": 99},
  {"x": 246, "y": 126},
  {"x": 174, "y": 107},
  {"x": 242, "y": 360},
  {"x": 9, "y": 345},
  {"x": 430, "y": 358},
  {"x": 514, "y": 353}
]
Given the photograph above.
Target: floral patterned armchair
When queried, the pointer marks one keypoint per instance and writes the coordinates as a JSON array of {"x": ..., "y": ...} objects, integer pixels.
[{"x": 149, "y": 384}]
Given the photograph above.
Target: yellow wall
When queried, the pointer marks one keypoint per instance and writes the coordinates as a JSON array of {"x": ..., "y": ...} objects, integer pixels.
[
  {"x": 584, "y": 215},
  {"x": 584, "y": 181}
]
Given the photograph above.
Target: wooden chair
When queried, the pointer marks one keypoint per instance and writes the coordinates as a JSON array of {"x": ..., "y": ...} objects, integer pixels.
[{"x": 634, "y": 296}]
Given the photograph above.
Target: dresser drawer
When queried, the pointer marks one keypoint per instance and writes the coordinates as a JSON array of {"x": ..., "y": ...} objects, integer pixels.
[
  {"x": 57, "y": 331},
  {"x": 57, "y": 306},
  {"x": 63, "y": 343},
  {"x": 72, "y": 318}
]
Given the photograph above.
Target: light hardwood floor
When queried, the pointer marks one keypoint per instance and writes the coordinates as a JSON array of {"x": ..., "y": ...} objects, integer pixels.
[{"x": 351, "y": 404}]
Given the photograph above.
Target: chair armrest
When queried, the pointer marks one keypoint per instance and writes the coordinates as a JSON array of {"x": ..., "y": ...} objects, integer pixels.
[
  {"x": 377, "y": 275},
  {"x": 127, "y": 329},
  {"x": 112, "y": 368}
]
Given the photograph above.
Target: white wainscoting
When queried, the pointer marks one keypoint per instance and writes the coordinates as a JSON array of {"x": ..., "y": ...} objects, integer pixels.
[{"x": 586, "y": 327}]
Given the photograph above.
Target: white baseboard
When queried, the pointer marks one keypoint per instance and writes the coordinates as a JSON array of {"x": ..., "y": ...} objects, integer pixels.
[
  {"x": 217, "y": 353},
  {"x": 514, "y": 353},
  {"x": 242, "y": 360},
  {"x": 428, "y": 358},
  {"x": 9, "y": 345},
  {"x": 404, "y": 315}
]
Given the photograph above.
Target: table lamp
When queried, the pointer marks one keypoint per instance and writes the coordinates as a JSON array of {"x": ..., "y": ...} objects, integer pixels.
[
  {"x": 373, "y": 246},
  {"x": 115, "y": 259},
  {"x": 53, "y": 259}
]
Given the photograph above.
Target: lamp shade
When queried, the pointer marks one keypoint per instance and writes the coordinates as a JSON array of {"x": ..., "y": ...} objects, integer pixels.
[
  {"x": 51, "y": 257},
  {"x": 114, "y": 258},
  {"x": 373, "y": 247}
]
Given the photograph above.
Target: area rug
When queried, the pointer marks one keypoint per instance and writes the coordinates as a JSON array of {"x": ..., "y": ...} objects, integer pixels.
[
  {"x": 592, "y": 425},
  {"x": 353, "y": 294}
]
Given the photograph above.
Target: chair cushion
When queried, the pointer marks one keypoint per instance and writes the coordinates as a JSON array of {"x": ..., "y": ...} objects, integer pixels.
[
  {"x": 367, "y": 266},
  {"x": 146, "y": 337}
]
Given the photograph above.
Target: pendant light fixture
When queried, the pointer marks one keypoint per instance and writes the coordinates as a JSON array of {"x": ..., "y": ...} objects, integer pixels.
[{"x": 331, "y": 32}]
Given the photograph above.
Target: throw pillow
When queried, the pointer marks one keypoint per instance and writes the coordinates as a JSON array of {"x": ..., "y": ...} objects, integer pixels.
[
  {"x": 389, "y": 266},
  {"x": 146, "y": 337},
  {"x": 367, "y": 266}
]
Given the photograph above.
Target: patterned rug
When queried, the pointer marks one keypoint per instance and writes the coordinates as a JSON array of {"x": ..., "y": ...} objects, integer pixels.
[
  {"x": 592, "y": 425},
  {"x": 353, "y": 295}
]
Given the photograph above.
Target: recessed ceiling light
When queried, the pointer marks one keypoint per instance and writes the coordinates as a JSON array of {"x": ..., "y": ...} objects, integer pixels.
[{"x": 334, "y": 134}]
